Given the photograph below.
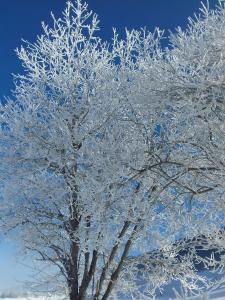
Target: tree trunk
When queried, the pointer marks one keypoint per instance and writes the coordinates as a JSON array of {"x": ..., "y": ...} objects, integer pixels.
[
  {"x": 116, "y": 272},
  {"x": 73, "y": 272}
]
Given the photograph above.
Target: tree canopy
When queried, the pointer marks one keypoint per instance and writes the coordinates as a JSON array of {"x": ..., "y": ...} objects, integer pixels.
[{"x": 112, "y": 155}]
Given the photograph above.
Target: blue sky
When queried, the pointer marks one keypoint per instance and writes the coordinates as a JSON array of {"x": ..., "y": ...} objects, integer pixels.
[{"x": 21, "y": 19}]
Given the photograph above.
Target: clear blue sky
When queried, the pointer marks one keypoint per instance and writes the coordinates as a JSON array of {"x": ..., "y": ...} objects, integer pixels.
[{"x": 21, "y": 19}]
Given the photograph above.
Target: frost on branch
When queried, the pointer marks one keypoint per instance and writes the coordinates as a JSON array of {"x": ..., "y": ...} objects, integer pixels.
[{"x": 112, "y": 155}]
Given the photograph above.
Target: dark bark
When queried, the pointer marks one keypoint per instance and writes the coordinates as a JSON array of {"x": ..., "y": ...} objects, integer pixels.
[
  {"x": 87, "y": 279},
  {"x": 73, "y": 270},
  {"x": 118, "y": 269},
  {"x": 110, "y": 259}
]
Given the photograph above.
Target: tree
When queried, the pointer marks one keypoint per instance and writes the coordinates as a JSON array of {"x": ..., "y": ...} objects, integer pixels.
[{"x": 101, "y": 174}]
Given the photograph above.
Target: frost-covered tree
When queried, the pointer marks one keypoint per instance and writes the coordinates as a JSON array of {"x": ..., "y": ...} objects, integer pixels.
[{"x": 112, "y": 155}]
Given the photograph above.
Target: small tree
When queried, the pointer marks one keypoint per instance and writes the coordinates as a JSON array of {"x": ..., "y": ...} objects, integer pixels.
[{"x": 102, "y": 175}]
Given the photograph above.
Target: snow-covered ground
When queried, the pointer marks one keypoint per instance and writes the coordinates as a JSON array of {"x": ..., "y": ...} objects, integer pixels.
[
  {"x": 218, "y": 295},
  {"x": 215, "y": 296},
  {"x": 35, "y": 298},
  {"x": 168, "y": 294}
]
